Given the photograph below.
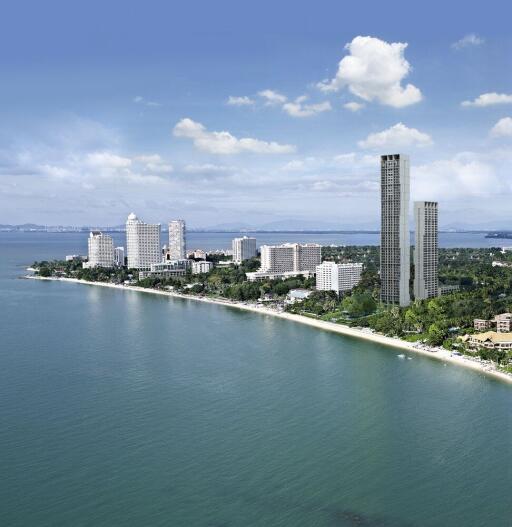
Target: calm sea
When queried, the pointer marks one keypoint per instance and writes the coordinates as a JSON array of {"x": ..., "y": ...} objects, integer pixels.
[{"x": 120, "y": 408}]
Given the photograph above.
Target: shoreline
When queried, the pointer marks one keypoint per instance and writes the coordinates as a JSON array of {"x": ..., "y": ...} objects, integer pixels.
[{"x": 440, "y": 353}]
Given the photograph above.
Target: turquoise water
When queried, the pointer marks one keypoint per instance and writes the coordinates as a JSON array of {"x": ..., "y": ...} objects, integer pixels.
[{"x": 125, "y": 408}]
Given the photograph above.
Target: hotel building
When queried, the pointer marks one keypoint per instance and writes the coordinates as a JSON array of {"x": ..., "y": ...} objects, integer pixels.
[
  {"x": 142, "y": 243},
  {"x": 177, "y": 240},
  {"x": 394, "y": 242},
  {"x": 101, "y": 250},
  {"x": 243, "y": 249},
  {"x": 119, "y": 256},
  {"x": 426, "y": 250},
  {"x": 339, "y": 277}
]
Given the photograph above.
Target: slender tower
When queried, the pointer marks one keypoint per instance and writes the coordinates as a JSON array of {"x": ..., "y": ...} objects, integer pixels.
[
  {"x": 394, "y": 232},
  {"x": 425, "y": 250},
  {"x": 177, "y": 240}
]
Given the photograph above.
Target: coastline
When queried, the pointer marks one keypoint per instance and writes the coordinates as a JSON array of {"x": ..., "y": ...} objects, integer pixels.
[{"x": 440, "y": 353}]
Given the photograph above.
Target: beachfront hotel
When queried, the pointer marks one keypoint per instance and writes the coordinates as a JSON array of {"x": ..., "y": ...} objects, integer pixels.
[
  {"x": 338, "y": 277},
  {"x": 119, "y": 256},
  {"x": 288, "y": 259},
  {"x": 177, "y": 249},
  {"x": 142, "y": 243},
  {"x": 394, "y": 235},
  {"x": 243, "y": 249},
  {"x": 426, "y": 250},
  {"x": 100, "y": 250}
]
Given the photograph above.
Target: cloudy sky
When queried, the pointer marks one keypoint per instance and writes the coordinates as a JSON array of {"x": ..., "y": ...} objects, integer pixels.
[{"x": 250, "y": 113}]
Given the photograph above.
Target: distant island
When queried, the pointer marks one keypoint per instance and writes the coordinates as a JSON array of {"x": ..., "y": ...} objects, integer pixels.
[{"x": 500, "y": 235}]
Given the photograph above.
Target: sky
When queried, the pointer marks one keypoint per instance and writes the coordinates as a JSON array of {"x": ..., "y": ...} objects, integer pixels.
[{"x": 253, "y": 114}]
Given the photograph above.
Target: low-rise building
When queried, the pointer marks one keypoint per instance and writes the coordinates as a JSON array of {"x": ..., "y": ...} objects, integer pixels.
[
  {"x": 297, "y": 295},
  {"x": 481, "y": 324},
  {"x": 170, "y": 269},
  {"x": 489, "y": 339},
  {"x": 199, "y": 254},
  {"x": 263, "y": 275},
  {"x": 338, "y": 277},
  {"x": 502, "y": 323},
  {"x": 201, "y": 267}
]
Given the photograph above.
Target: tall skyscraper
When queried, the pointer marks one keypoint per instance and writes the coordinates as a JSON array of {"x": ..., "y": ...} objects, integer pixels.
[
  {"x": 243, "y": 249},
  {"x": 394, "y": 234},
  {"x": 142, "y": 243},
  {"x": 101, "y": 250},
  {"x": 426, "y": 249},
  {"x": 177, "y": 240},
  {"x": 119, "y": 256}
]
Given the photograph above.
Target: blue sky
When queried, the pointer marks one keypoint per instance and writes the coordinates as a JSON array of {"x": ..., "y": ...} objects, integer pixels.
[{"x": 109, "y": 107}]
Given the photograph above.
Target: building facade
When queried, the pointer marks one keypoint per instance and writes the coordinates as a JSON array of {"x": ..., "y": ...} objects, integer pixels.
[
  {"x": 394, "y": 235},
  {"x": 100, "y": 250},
  {"x": 142, "y": 243},
  {"x": 201, "y": 267},
  {"x": 338, "y": 277},
  {"x": 426, "y": 258},
  {"x": 243, "y": 249},
  {"x": 167, "y": 269},
  {"x": 288, "y": 259},
  {"x": 119, "y": 256},
  {"x": 177, "y": 240}
]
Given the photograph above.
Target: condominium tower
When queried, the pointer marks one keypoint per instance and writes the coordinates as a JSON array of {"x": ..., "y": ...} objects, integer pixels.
[
  {"x": 394, "y": 235},
  {"x": 100, "y": 250},
  {"x": 338, "y": 277},
  {"x": 243, "y": 249},
  {"x": 425, "y": 250},
  {"x": 177, "y": 240},
  {"x": 142, "y": 243}
]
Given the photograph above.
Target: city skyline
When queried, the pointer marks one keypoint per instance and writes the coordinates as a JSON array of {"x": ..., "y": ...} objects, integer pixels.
[{"x": 184, "y": 123}]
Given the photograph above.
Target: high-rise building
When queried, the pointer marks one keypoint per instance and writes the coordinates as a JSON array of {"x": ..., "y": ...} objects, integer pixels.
[
  {"x": 243, "y": 249},
  {"x": 339, "y": 277},
  {"x": 101, "y": 250},
  {"x": 426, "y": 250},
  {"x": 142, "y": 243},
  {"x": 119, "y": 256},
  {"x": 394, "y": 233},
  {"x": 177, "y": 240}
]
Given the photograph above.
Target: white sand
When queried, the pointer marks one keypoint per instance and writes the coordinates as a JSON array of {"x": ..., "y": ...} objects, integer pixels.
[{"x": 439, "y": 354}]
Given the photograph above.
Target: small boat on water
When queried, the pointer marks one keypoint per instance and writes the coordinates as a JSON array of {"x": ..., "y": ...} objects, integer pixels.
[{"x": 401, "y": 356}]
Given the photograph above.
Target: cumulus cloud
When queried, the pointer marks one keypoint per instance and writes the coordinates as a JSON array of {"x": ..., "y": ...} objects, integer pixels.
[
  {"x": 108, "y": 160},
  {"x": 353, "y": 106},
  {"x": 145, "y": 102},
  {"x": 223, "y": 143},
  {"x": 397, "y": 136},
  {"x": 299, "y": 109},
  {"x": 489, "y": 99},
  {"x": 503, "y": 128},
  {"x": 272, "y": 97},
  {"x": 465, "y": 175},
  {"x": 467, "y": 41},
  {"x": 374, "y": 70},
  {"x": 239, "y": 101}
]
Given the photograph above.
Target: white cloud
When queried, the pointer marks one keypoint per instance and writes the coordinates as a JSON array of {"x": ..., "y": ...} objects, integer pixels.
[
  {"x": 465, "y": 175},
  {"x": 272, "y": 97},
  {"x": 468, "y": 41},
  {"x": 154, "y": 163},
  {"x": 353, "y": 106},
  {"x": 489, "y": 99},
  {"x": 239, "y": 101},
  {"x": 207, "y": 168},
  {"x": 503, "y": 128},
  {"x": 145, "y": 102},
  {"x": 299, "y": 109},
  {"x": 108, "y": 160},
  {"x": 224, "y": 142},
  {"x": 374, "y": 70},
  {"x": 398, "y": 136}
]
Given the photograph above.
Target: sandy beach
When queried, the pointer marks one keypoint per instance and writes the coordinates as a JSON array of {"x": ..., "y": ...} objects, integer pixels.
[{"x": 439, "y": 353}]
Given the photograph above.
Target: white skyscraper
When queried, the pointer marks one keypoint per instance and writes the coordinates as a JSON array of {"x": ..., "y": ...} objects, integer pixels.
[
  {"x": 119, "y": 256},
  {"x": 177, "y": 240},
  {"x": 394, "y": 235},
  {"x": 426, "y": 250},
  {"x": 142, "y": 243},
  {"x": 101, "y": 250},
  {"x": 243, "y": 249},
  {"x": 339, "y": 277}
]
